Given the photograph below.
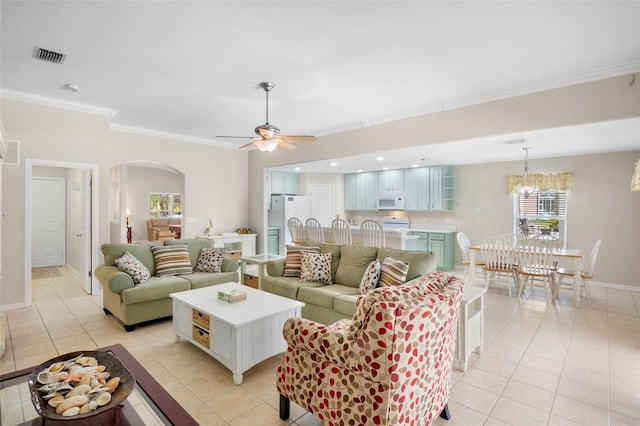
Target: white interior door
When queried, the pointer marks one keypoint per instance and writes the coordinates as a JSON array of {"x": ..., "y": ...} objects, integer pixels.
[
  {"x": 322, "y": 203},
  {"x": 47, "y": 223},
  {"x": 85, "y": 232}
]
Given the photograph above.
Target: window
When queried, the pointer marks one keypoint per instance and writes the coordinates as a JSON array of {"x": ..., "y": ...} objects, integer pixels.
[
  {"x": 542, "y": 215},
  {"x": 165, "y": 205}
]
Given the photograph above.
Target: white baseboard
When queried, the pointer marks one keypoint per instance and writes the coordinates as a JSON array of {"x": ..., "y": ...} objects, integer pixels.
[
  {"x": 616, "y": 286},
  {"x": 14, "y": 306}
]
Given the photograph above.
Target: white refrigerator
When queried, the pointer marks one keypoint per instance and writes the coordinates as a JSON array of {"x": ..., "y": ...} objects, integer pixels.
[{"x": 284, "y": 207}]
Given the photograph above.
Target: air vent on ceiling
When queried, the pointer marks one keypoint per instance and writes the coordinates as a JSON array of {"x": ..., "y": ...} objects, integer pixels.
[
  {"x": 12, "y": 156},
  {"x": 48, "y": 55}
]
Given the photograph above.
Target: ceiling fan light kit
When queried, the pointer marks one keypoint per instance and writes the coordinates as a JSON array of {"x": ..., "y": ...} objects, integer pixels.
[{"x": 269, "y": 137}]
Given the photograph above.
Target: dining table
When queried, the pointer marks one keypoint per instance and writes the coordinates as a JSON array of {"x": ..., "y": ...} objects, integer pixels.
[{"x": 559, "y": 254}]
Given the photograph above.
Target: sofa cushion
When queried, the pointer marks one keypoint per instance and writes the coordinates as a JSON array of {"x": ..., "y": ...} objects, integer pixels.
[
  {"x": 324, "y": 296},
  {"x": 141, "y": 251},
  {"x": 371, "y": 277},
  {"x": 171, "y": 260},
  {"x": 210, "y": 259},
  {"x": 206, "y": 279},
  {"x": 293, "y": 261},
  {"x": 285, "y": 286},
  {"x": 316, "y": 267},
  {"x": 353, "y": 262},
  {"x": 334, "y": 249},
  {"x": 132, "y": 266},
  {"x": 420, "y": 262},
  {"x": 346, "y": 304},
  {"x": 154, "y": 288},
  {"x": 194, "y": 246},
  {"x": 393, "y": 272}
]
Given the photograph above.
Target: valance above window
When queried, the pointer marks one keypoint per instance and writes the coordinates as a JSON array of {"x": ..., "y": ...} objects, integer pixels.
[{"x": 557, "y": 182}]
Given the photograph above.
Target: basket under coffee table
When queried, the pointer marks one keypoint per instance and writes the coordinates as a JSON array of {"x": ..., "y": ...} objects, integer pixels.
[{"x": 239, "y": 335}]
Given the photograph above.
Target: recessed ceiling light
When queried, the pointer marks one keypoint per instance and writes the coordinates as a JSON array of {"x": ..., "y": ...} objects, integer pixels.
[
  {"x": 333, "y": 164},
  {"x": 296, "y": 168},
  {"x": 385, "y": 168},
  {"x": 379, "y": 158},
  {"x": 359, "y": 170},
  {"x": 414, "y": 165}
]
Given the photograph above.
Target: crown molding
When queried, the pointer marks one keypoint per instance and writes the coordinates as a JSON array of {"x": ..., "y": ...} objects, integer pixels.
[
  {"x": 56, "y": 103},
  {"x": 167, "y": 135},
  {"x": 492, "y": 95}
]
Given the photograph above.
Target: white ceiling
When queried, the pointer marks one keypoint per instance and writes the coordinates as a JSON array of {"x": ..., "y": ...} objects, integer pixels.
[{"x": 192, "y": 68}]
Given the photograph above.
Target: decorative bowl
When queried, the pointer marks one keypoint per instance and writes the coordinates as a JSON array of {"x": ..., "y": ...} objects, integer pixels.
[{"x": 113, "y": 365}]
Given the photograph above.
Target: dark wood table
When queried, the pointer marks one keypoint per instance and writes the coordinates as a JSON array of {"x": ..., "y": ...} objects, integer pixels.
[{"x": 153, "y": 405}]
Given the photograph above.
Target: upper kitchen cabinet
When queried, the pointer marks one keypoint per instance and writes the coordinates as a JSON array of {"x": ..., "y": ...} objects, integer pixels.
[
  {"x": 391, "y": 180},
  {"x": 284, "y": 183},
  {"x": 361, "y": 191},
  {"x": 428, "y": 188}
]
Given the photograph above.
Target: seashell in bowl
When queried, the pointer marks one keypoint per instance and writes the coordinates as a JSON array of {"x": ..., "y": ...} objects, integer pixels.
[{"x": 86, "y": 406}]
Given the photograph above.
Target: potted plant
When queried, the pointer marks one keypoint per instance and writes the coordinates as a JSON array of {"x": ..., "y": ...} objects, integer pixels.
[{"x": 554, "y": 224}]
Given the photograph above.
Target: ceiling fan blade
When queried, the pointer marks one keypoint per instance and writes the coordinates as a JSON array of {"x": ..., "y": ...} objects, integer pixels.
[
  {"x": 235, "y": 137},
  {"x": 247, "y": 145},
  {"x": 298, "y": 138},
  {"x": 286, "y": 145}
]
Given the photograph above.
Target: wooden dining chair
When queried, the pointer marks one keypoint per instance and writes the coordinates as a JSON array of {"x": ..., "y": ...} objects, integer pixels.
[
  {"x": 372, "y": 234},
  {"x": 586, "y": 273},
  {"x": 341, "y": 231},
  {"x": 314, "y": 230},
  {"x": 296, "y": 229},
  {"x": 464, "y": 244},
  {"x": 536, "y": 268},
  {"x": 499, "y": 262}
]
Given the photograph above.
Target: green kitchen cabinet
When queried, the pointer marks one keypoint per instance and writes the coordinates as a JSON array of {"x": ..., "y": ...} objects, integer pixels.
[
  {"x": 273, "y": 241},
  {"x": 441, "y": 243}
]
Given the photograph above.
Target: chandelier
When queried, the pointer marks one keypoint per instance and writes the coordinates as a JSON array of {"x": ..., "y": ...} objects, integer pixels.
[{"x": 526, "y": 186}]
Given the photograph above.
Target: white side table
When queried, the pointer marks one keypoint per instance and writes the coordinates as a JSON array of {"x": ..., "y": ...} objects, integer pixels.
[
  {"x": 470, "y": 325},
  {"x": 259, "y": 259}
]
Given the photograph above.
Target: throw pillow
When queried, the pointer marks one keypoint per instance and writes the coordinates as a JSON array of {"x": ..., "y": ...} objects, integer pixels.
[
  {"x": 293, "y": 261},
  {"x": 171, "y": 260},
  {"x": 371, "y": 277},
  {"x": 210, "y": 259},
  {"x": 393, "y": 272},
  {"x": 316, "y": 267},
  {"x": 131, "y": 265}
]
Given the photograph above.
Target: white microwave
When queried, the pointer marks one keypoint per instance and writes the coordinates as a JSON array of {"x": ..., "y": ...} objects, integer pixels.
[{"x": 391, "y": 201}]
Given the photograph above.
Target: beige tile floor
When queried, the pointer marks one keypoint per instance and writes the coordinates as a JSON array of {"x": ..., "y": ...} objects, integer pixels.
[{"x": 555, "y": 366}]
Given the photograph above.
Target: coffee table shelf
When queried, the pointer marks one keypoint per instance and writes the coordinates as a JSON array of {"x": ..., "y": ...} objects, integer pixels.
[{"x": 239, "y": 335}]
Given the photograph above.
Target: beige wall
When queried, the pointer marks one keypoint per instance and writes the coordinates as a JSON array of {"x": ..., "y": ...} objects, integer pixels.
[
  {"x": 215, "y": 178},
  {"x": 603, "y": 100},
  {"x": 51, "y": 134}
]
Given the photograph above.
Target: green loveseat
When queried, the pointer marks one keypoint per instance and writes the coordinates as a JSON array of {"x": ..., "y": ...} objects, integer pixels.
[
  {"x": 135, "y": 303},
  {"x": 329, "y": 303}
]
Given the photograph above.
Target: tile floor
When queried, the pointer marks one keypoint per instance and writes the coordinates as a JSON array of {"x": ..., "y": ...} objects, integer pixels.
[{"x": 555, "y": 366}]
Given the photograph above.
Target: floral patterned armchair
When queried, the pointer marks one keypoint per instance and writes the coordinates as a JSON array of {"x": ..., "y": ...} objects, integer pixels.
[{"x": 389, "y": 365}]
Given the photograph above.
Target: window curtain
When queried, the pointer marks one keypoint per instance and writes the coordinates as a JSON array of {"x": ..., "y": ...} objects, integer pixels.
[{"x": 557, "y": 182}]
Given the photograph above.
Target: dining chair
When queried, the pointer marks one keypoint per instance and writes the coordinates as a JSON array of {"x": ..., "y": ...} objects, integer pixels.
[
  {"x": 464, "y": 244},
  {"x": 372, "y": 234},
  {"x": 536, "y": 268},
  {"x": 296, "y": 229},
  {"x": 586, "y": 272},
  {"x": 314, "y": 231},
  {"x": 511, "y": 236},
  {"x": 499, "y": 262},
  {"x": 341, "y": 231},
  {"x": 548, "y": 241}
]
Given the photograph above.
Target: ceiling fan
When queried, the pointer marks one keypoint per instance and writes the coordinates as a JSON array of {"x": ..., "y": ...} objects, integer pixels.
[{"x": 269, "y": 137}]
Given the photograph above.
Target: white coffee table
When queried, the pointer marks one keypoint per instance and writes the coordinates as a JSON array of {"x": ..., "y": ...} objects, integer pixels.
[{"x": 239, "y": 335}]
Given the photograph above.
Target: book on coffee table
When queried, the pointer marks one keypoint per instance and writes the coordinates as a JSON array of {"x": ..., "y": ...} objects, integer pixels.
[{"x": 232, "y": 296}]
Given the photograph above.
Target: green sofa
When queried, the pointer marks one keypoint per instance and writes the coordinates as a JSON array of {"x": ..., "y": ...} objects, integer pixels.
[
  {"x": 133, "y": 304},
  {"x": 329, "y": 303}
]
